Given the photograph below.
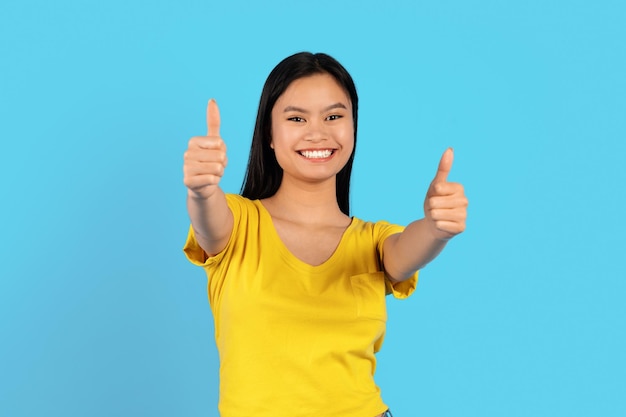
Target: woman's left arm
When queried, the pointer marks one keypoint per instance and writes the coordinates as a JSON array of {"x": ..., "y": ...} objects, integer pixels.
[{"x": 445, "y": 211}]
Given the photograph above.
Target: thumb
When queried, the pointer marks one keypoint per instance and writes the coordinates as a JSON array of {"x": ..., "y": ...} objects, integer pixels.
[
  {"x": 213, "y": 118},
  {"x": 445, "y": 164}
]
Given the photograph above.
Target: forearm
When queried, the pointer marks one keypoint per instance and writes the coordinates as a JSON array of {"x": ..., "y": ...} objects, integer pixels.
[
  {"x": 211, "y": 219},
  {"x": 445, "y": 211},
  {"x": 411, "y": 250}
]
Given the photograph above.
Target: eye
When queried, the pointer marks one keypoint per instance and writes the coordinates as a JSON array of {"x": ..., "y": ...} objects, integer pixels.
[
  {"x": 296, "y": 119},
  {"x": 334, "y": 117}
]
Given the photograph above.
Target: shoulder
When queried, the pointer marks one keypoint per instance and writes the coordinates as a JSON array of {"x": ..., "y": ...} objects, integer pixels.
[
  {"x": 379, "y": 230},
  {"x": 239, "y": 204},
  {"x": 237, "y": 199},
  {"x": 248, "y": 215}
]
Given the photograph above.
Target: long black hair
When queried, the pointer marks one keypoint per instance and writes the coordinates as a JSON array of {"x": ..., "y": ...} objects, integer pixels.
[{"x": 263, "y": 174}]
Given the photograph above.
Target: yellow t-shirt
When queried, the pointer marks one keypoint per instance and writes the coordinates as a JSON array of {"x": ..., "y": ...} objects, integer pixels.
[{"x": 297, "y": 340}]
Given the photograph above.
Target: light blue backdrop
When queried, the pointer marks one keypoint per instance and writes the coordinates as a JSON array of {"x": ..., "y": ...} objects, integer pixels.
[{"x": 523, "y": 315}]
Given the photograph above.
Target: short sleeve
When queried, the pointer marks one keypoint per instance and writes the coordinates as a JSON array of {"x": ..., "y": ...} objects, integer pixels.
[
  {"x": 402, "y": 289},
  {"x": 195, "y": 254}
]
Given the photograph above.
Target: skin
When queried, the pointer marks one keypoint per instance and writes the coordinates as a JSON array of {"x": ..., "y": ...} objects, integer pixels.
[
  {"x": 314, "y": 113},
  {"x": 204, "y": 164},
  {"x": 445, "y": 211}
]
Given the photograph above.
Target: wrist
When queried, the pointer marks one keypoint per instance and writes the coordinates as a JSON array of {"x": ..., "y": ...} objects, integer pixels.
[
  {"x": 202, "y": 194},
  {"x": 437, "y": 235}
]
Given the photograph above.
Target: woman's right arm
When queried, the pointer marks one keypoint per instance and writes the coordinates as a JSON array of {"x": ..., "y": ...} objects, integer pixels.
[{"x": 204, "y": 163}]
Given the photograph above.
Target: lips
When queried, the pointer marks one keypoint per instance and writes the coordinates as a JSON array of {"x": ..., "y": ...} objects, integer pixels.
[{"x": 316, "y": 154}]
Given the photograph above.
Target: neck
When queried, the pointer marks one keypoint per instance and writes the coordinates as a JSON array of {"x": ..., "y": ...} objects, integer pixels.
[{"x": 306, "y": 202}]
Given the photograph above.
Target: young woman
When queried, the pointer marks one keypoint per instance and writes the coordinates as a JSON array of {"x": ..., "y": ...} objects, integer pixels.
[{"x": 297, "y": 287}]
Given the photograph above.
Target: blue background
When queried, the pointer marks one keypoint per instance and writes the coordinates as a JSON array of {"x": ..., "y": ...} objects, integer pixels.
[{"x": 523, "y": 315}]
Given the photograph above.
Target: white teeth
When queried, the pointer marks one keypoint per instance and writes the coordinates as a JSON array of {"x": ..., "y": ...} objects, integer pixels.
[{"x": 317, "y": 154}]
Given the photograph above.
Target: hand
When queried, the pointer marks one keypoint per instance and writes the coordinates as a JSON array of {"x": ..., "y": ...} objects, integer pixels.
[
  {"x": 205, "y": 158},
  {"x": 445, "y": 206}
]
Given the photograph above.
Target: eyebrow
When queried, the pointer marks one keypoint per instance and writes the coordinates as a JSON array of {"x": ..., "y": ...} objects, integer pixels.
[{"x": 301, "y": 110}]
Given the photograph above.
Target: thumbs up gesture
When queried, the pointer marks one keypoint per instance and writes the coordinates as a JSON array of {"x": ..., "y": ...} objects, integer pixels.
[
  {"x": 445, "y": 206},
  {"x": 205, "y": 158}
]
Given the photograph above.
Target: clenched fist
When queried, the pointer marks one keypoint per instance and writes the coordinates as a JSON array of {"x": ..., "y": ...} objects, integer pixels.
[
  {"x": 205, "y": 158},
  {"x": 445, "y": 206}
]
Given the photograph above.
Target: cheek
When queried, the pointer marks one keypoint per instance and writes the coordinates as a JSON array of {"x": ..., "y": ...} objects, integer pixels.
[
  {"x": 280, "y": 144},
  {"x": 348, "y": 137},
  {"x": 276, "y": 136},
  {"x": 281, "y": 137}
]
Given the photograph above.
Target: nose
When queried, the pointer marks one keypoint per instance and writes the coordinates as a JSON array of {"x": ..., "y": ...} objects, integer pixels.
[{"x": 316, "y": 132}]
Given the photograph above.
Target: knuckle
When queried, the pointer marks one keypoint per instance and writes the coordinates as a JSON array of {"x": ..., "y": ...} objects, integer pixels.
[
  {"x": 440, "y": 188},
  {"x": 193, "y": 142}
]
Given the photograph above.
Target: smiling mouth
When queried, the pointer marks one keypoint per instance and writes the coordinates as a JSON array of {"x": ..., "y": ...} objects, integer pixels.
[{"x": 319, "y": 154}]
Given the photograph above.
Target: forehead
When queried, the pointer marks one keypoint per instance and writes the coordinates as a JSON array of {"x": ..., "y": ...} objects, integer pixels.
[{"x": 315, "y": 88}]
